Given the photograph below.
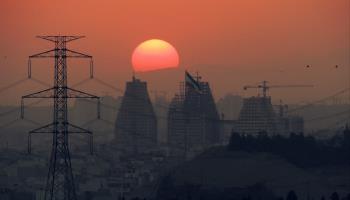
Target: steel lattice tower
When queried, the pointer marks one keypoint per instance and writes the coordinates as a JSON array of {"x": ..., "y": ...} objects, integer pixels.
[{"x": 60, "y": 182}]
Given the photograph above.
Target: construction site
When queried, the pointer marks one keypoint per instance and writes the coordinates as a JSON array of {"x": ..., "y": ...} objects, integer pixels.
[
  {"x": 259, "y": 115},
  {"x": 193, "y": 120}
]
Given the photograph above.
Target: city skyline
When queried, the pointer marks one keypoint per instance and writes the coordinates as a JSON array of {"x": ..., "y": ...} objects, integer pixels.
[{"x": 175, "y": 100}]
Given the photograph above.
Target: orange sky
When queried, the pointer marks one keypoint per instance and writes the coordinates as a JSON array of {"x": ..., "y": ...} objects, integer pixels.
[{"x": 231, "y": 43}]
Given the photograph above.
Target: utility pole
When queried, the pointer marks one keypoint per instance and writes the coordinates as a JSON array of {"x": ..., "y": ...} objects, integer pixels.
[{"x": 60, "y": 182}]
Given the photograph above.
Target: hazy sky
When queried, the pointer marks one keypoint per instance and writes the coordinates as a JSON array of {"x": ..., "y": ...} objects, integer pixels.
[{"x": 231, "y": 43}]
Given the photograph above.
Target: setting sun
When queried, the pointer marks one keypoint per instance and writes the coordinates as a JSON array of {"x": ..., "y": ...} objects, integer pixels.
[{"x": 154, "y": 54}]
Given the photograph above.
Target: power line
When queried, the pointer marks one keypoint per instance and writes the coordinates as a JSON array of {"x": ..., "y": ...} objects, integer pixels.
[
  {"x": 9, "y": 123},
  {"x": 338, "y": 122},
  {"x": 19, "y": 119},
  {"x": 19, "y": 108},
  {"x": 318, "y": 101},
  {"x": 11, "y": 85},
  {"x": 18, "y": 82},
  {"x": 39, "y": 81},
  {"x": 33, "y": 103},
  {"x": 328, "y": 116},
  {"x": 82, "y": 82},
  {"x": 167, "y": 107}
]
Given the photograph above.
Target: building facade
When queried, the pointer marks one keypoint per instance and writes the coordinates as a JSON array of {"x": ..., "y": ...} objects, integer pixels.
[
  {"x": 258, "y": 115},
  {"x": 136, "y": 123},
  {"x": 193, "y": 120}
]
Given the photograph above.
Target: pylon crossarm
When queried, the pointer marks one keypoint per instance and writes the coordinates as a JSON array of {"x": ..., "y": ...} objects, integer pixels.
[
  {"x": 76, "y": 129},
  {"x": 50, "y": 129},
  {"x": 47, "y": 93},
  {"x": 73, "y": 93},
  {"x": 75, "y": 54},
  {"x": 45, "y": 54},
  {"x": 44, "y": 129},
  {"x": 51, "y": 54},
  {"x": 67, "y": 38}
]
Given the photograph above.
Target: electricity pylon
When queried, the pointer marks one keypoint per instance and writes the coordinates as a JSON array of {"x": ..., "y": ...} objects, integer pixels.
[{"x": 60, "y": 182}]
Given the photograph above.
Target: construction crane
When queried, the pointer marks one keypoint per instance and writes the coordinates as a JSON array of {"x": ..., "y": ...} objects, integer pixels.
[{"x": 265, "y": 87}]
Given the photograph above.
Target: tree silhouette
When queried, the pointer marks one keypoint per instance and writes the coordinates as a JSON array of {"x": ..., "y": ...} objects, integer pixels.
[
  {"x": 296, "y": 148},
  {"x": 291, "y": 195},
  {"x": 235, "y": 141},
  {"x": 334, "y": 196},
  {"x": 347, "y": 197}
]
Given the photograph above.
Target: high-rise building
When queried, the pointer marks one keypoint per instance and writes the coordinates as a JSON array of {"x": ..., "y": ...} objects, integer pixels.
[
  {"x": 256, "y": 115},
  {"x": 193, "y": 120},
  {"x": 136, "y": 123}
]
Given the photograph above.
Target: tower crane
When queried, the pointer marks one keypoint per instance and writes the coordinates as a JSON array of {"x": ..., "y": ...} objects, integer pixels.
[{"x": 265, "y": 87}]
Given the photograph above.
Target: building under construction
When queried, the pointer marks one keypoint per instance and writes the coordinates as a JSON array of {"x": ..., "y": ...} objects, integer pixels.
[
  {"x": 193, "y": 120},
  {"x": 259, "y": 115},
  {"x": 136, "y": 123}
]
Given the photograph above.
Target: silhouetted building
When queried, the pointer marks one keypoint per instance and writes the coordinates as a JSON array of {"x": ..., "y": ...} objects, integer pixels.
[
  {"x": 136, "y": 123},
  {"x": 258, "y": 114},
  {"x": 193, "y": 120}
]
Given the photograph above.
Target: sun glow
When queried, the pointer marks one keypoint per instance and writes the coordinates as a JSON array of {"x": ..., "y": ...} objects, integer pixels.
[{"x": 154, "y": 54}]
